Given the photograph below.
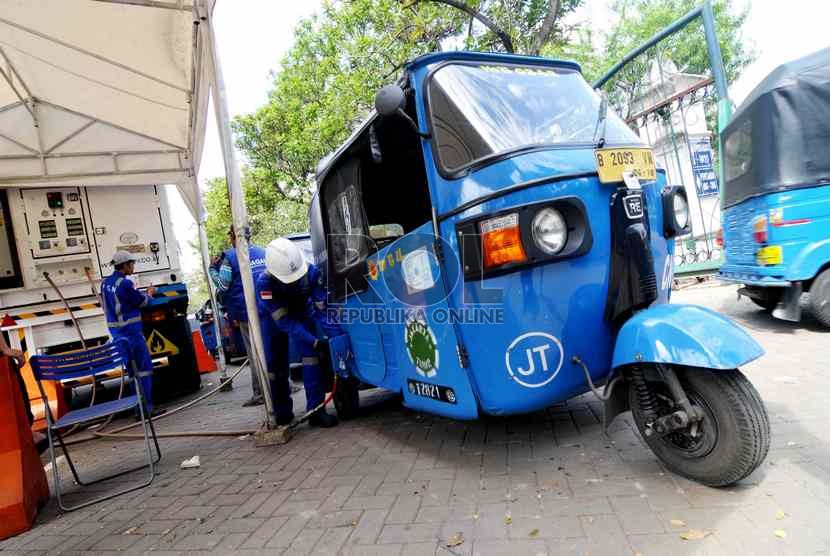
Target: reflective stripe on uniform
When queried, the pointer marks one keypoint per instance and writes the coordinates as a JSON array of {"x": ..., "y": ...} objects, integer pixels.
[
  {"x": 119, "y": 318},
  {"x": 143, "y": 374},
  {"x": 123, "y": 323},
  {"x": 279, "y": 313},
  {"x": 310, "y": 360}
]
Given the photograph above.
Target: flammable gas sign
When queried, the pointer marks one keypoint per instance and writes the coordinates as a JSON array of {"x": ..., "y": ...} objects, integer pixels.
[{"x": 159, "y": 345}]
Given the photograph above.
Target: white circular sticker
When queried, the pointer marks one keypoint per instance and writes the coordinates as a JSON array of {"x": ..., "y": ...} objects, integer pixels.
[{"x": 534, "y": 359}]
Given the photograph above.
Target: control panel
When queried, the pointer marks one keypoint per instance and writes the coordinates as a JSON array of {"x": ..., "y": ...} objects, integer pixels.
[{"x": 56, "y": 222}]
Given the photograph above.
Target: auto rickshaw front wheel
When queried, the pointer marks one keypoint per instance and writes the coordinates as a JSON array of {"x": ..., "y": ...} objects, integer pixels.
[{"x": 730, "y": 440}]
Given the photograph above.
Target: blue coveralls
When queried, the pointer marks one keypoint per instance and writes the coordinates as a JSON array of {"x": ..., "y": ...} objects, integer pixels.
[
  {"x": 122, "y": 307},
  {"x": 228, "y": 280},
  {"x": 295, "y": 310}
]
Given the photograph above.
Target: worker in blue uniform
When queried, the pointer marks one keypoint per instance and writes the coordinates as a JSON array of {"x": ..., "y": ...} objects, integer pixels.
[
  {"x": 225, "y": 274},
  {"x": 122, "y": 307},
  {"x": 291, "y": 300}
]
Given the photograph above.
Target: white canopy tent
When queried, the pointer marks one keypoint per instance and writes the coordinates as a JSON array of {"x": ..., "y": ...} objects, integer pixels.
[
  {"x": 115, "y": 92},
  {"x": 101, "y": 93}
]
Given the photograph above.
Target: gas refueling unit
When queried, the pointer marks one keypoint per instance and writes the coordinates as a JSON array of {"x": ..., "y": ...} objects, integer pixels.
[{"x": 55, "y": 247}]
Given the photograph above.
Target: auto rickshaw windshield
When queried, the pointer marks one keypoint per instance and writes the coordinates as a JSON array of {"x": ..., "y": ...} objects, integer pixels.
[{"x": 480, "y": 112}]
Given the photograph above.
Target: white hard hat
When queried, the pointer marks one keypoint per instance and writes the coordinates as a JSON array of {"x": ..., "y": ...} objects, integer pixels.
[
  {"x": 122, "y": 257},
  {"x": 284, "y": 260}
]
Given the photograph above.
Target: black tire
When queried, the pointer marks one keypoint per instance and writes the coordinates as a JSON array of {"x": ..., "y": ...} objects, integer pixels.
[
  {"x": 819, "y": 298},
  {"x": 734, "y": 436},
  {"x": 347, "y": 398}
]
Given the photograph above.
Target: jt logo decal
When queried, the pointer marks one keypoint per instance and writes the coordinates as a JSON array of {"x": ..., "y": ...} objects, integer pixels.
[{"x": 534, "y": 359}]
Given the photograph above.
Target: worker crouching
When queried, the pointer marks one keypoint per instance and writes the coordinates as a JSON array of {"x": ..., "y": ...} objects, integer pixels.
[
  {"x": 122, "y": 307},
  {"x": 291, "y": 301}
]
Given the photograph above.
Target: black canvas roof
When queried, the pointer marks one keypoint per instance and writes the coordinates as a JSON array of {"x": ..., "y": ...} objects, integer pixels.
[{"x": 787, "y": 117}]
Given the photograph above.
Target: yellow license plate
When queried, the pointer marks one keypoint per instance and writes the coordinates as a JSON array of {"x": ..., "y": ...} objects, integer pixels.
[
  {"x": 611, "y": 163},
  {"x": 770, "y": 255}
]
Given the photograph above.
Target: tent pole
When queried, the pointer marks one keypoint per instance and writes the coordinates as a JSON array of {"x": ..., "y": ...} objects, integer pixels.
[
  {"x": 204, "y": 250},
  {"x": 238, "y": 210}
]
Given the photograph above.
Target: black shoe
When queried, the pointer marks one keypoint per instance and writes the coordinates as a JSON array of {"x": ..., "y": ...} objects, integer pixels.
[
  {"x": 322, "y": 419},
  {"x": 256, "y": 400}
]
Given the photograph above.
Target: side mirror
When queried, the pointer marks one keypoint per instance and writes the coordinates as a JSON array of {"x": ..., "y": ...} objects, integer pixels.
[{"x": 389, "y": 100}]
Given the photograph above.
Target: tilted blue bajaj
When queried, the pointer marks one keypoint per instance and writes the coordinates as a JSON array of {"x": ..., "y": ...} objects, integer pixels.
[{"x": 496, "y": 240}]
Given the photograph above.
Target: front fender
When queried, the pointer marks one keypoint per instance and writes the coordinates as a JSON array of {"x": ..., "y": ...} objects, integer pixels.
[
  {"x": 684, "y": 335},
  {"x": 809, "y": 260}
]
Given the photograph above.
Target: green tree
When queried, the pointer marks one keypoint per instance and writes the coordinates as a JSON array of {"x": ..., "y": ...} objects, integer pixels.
[
  {"x": 641, "y": 19},
  {"x": 270, "y": 214}
]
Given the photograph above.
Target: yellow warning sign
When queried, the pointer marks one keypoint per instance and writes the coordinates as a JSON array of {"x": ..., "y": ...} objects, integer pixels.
[{"x": 159, "y": 345}]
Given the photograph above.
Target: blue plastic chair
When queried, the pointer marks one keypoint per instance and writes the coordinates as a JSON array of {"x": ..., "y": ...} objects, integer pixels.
[{"x": 91, "y": 362}]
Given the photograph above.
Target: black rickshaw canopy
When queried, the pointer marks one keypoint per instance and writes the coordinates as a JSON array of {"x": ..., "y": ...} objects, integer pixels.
[{"x": 779, "y": 138}]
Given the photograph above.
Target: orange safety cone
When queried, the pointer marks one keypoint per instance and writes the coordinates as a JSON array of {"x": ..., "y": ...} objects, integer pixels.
[
  {"x": 206, "y": 363},
  {"x": 23, "y": 486}
]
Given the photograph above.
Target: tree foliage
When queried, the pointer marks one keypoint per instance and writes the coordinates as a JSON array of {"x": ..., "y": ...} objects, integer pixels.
[
  {"x": 638, "y": 21},
  {"x": 270, "y": 215}
]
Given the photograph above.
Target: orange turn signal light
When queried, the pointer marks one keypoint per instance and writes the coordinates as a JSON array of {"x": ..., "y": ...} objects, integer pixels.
[{"x": 501, "y": 241}]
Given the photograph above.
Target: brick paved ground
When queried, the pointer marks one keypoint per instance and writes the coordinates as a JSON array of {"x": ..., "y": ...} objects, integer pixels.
[{"x": 399, "y": 483}]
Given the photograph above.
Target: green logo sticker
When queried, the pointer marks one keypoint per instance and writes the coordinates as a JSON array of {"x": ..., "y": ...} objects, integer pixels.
[{"x": 422, "y": 347}]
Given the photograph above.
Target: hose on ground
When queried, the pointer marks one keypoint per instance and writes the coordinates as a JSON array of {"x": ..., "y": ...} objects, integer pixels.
[
  {"x": 308, "y": 414},
  {"x": 118, "y": 432},
  {"x": 114, "y": 433}
]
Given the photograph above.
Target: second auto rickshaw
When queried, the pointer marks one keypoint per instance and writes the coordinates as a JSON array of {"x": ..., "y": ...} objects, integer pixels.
[{"x": 776, "y": 215}]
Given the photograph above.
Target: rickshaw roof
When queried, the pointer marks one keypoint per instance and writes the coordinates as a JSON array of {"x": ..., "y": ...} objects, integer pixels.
[
  {"x": 492, "y": 57},
  {"x": 787, "y": 117},
  {"x": 328, "y": 161}
]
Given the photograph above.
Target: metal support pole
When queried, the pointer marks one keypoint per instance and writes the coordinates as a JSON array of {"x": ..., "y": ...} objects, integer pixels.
[
  {"x": 238, "y": 210},
  {"x": 204, "y": 249}
]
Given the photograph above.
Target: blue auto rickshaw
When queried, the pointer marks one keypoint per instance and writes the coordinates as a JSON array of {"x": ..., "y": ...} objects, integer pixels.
[
  {"x": 496, "y": 240},
  {"x": 776, "y": 203}
]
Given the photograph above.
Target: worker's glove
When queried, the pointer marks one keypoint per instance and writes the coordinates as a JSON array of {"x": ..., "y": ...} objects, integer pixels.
[{"x": 321, "y": 346}]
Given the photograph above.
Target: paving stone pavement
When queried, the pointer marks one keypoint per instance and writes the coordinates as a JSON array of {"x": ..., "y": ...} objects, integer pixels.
[{"x": 395, "y": 482}]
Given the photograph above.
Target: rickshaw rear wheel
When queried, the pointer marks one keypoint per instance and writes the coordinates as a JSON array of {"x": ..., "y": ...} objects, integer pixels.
[
  {"x": 347, "y": 398},
  {"x": 731, "y": 440},
  {"x": 819, "y": 298}
]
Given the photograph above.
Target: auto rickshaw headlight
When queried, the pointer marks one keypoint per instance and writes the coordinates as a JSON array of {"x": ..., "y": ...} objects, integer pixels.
[
  {"x": 676, "y": 215},
  {"x": 550, "y": 231}
]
